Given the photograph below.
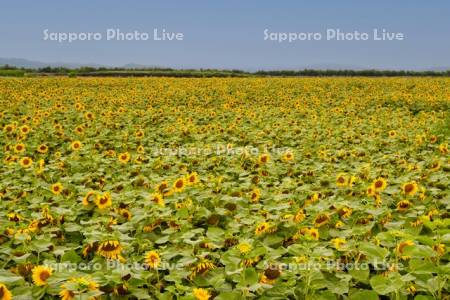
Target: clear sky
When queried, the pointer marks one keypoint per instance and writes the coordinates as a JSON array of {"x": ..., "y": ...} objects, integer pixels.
[{"x": 230, "y": 34}]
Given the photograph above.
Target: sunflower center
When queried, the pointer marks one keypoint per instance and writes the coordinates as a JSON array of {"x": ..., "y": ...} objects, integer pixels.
[
  {"x": 44, "y": 275},
  {"x": 109, "y": 247},
  {"x": 408, "y": 188},
  {"x": 179, "y": 184}
]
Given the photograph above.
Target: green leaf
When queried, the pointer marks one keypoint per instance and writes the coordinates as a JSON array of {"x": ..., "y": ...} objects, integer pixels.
[
  {"x": 249, "y": 277},
  {"x": 373, "y": 252},
  {"x": 364, "y": 295}
]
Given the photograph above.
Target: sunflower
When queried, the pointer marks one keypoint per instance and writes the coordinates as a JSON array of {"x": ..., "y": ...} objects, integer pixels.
[
  {"x": 341, "y": 180},
  {"x": 392, "y": 133},
  {"x": 244, "y": 247},
  {"x": 5, "y": 294},
  {"x": 26, "y": 162},
  {"x": 338, "y": 243},
  {"x": 401, "y": 246},
  {"x": 255, "y": 195},
  {"x": 9, "y": 128},
  {"x": 152, "y": 259},
  {"x": 201, "y": 294},
  {"x": 410, "y": 188},
  {"x": 262, "y": 228},
  {"x": 139, "y": 133},
  {"x": 140, "y": 149},
  {"x": 379, "y": 184},
  {"x": 110, "y": 249},
  {"x": 435, "y": 166},
  {"x": 19, "y": 148},
  {"x": 103, "y": 201},
  {"x": 321, "y": 220},
  {"x": 202, "y": 267},
  {"x": 89, "y": 198},
  {"x": 124, "y": 157},
  {"x": 41, "y": 274},
  {"x": 24, "y": 129},
  {"x": 76, "y": 145},
  {"x": 299, "y": 216},
  {"x": 345, "y": 212},
  {"x": 403, "y": 205},
  {"x": 42, "y": 149},
  {"x": 179, "y": 185},
  {"x": 192, "y": 178},
  {"x": 264, "y": 158},
  {"x": 66, "y": 294},
  {"x": 158, "y": 199},
  {"x": 439, "y": 249},
  {"x": 288, "y": 156},
  {"x": 56, "y": 188}
]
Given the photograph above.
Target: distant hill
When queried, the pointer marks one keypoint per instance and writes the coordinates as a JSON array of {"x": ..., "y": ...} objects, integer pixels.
[{"x": 32, "y": 64}]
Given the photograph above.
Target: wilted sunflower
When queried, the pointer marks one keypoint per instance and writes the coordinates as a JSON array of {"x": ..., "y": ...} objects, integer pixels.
[
  {"x": 410, "y": 188},
  {"x": 152, "y": 259},
  {"x": 379, "y": 184},
  {"x": 435, "y": 166},
  {"x": 124, "y": 157},
  {"x": 40, "y": 274},
  {"x": 5, "y": 294},
  {"x": 56, "y": 188},
  {"x": 103, "y": 201},
  {"x": 26, "y": 162},
  {"x": 75, "y": 145},
  {"x": 338, "y": 243},
  {"x": 203, "y": 266},
  {"x": 110, "y": 249},
  {"x": 201, "y": 294},
  {"x": 321, "y": 220}
]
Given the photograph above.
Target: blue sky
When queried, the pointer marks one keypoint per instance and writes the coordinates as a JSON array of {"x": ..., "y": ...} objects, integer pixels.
[{"x": 229, "y": 34}]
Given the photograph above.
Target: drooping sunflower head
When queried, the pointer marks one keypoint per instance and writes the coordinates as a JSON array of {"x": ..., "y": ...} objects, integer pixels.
[
  {"x": 321, "y": 219},
  {"x": 152, "y": 259},
  {"x": 66, "y": 294},
  {"x": 110, "y": 249},
  {"x": 40, "y": 274}
]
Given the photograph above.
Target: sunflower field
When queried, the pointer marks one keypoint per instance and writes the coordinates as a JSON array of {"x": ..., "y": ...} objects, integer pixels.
[{"x": 224, "y": 188}]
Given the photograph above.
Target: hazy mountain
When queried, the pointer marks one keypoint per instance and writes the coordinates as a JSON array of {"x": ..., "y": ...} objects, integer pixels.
[{"x": 25, "y": 63}]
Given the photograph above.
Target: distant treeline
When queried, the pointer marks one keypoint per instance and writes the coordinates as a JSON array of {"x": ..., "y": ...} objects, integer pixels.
[{"x": 168, "y": 72}]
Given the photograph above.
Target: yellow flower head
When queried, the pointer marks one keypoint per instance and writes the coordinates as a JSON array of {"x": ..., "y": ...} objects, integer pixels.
[{"x": 40, "y": 274}]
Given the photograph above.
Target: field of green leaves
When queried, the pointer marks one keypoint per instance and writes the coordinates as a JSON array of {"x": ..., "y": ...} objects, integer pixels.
[{"x": 238, "y": 188}]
